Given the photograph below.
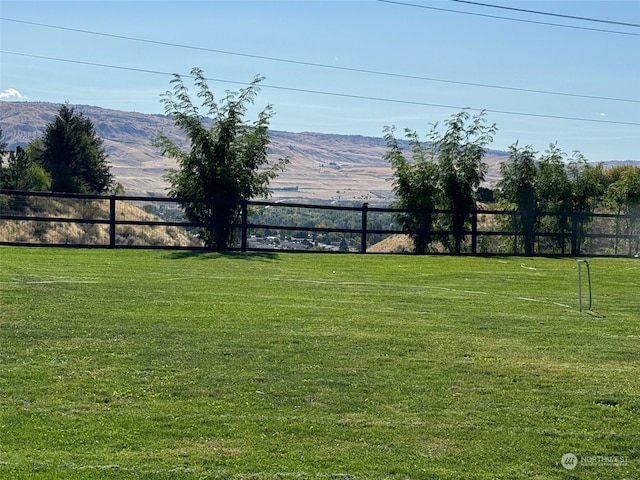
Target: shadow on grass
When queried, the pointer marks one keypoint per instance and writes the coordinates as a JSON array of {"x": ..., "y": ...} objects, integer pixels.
[{"x": 210, "y": 255}]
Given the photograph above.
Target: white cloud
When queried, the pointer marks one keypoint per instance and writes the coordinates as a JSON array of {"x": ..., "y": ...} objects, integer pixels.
[{"x": 12, "y": 93}]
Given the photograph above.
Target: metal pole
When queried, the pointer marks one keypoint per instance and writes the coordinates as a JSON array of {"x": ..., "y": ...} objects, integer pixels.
[
  {"x": 580, "y": 262},
  {"x": 580, "y": 285}
]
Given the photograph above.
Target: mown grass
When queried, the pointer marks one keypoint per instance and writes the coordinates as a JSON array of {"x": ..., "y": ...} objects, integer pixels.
[{"x": 156, "y": 364}]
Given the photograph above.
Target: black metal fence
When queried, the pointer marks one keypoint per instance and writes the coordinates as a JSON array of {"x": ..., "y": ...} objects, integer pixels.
[{"x": 118, "y": 221}]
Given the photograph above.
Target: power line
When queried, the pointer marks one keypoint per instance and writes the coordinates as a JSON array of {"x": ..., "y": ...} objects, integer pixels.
[
  {"x": 560, "y": 15},
  {"x": 321, "y": 65},
  {"x": 332, "y": 94},
  {"x": 535, "y": 22}
]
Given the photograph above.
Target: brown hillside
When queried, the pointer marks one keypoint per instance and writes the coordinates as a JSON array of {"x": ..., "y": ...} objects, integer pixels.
[
  {"x": 393, "y": 244},
  {"x": 323, "y": 166},
  {"x": 88, "y": 234}
]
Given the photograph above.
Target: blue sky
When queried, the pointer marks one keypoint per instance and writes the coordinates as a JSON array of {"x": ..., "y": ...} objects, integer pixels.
[{"x": 42, "y": 63}]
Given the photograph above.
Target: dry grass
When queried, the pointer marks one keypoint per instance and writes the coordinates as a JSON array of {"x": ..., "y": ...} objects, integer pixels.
[
  {"x": 71, "y": 233},
  {"x": 393, "y": 244}
]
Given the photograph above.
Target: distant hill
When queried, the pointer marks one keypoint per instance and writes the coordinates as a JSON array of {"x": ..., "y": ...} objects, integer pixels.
[{"x": 323, "y": 166}]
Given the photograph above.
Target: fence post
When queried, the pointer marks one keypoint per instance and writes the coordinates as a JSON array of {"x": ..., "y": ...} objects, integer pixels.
[
  {"x": 474, "y": 232},
  {"x": 363, "y": 233},
  {"x": 575, "y": 244},
  {"x": 112, "y": 221},
  {"x": 243, "y": 227}
]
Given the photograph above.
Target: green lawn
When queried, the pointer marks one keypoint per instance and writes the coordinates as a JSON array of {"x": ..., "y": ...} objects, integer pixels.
[{"x": 158, "y": 364}]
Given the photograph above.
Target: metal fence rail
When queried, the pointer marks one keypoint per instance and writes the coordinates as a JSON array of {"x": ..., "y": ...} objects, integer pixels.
[{"x": 120, "y": 221}]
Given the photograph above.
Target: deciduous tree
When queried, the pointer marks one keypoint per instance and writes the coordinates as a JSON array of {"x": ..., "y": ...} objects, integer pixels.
[
  {"x": 460, "y": 151},
  {"x": 624, "y": 196},
  {"x": 554, "y": 193},
  {"x": 587, "y": 190},
  {"x": 517, "y": 191},
  {"x": 444, "y": 173},
  {"x": 415, "y": 185},
  {"x": 227, "y": 161}
]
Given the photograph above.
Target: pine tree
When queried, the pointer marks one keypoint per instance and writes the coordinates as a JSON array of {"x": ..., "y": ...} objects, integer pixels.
[
  {"x": 74, "y": 155},
  {"x": 22, "y": 173}
]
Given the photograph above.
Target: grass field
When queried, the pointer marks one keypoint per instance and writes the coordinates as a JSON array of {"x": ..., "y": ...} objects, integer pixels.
[{"x": 170, "y": 365}]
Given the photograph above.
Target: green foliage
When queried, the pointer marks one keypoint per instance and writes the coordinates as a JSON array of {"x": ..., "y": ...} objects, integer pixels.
[
  {"x": 553, "y": 186},
  {"x": 415, "y": 186},
  {"x": 486, "y": 195},
  {"x": 623, "y": 195},
  {"x": 3, "y": 150},
  {"x": 553, "y": 182},
  {"x": 461, "y": 170},
  {"x": 306, "y": 218},
  {"x": 445, "y": 174},
  {"x": 227, "y": 162},
  {"x": 73, "y": 154},
  {"x": 587, "y": 190},
  {"x": 22, "y": 173},
  {"x": 517, "y": 191},
  {"x": 588, "y": 183},
  {"x": 3, "y": 145}
]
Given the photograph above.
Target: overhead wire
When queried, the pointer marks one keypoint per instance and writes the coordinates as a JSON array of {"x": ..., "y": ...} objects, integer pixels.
[
  {"x": 550, "y": 14},
  {"x": 333, "y": 94},
  {"x": 321, "y": 65},
  {"x": 512, "y": 19}
]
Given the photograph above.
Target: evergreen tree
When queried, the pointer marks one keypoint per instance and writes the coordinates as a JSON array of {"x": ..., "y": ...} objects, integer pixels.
[
  {"x": 3, "y": 145},
  {"x": 3, "y": 151},
  {"x": 74, "y": 155},
  {"x": 22, "y": 173}
]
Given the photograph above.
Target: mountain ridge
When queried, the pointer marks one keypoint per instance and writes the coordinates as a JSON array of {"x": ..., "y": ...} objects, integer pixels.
[{"x": 322, "y": 165}]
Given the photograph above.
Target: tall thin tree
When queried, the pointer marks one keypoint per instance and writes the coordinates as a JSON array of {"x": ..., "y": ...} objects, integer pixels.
[
  {"x": 415, "y": 184},
  {"x": 517, "y": 191},
  {"x": 461, "y": 168}
]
